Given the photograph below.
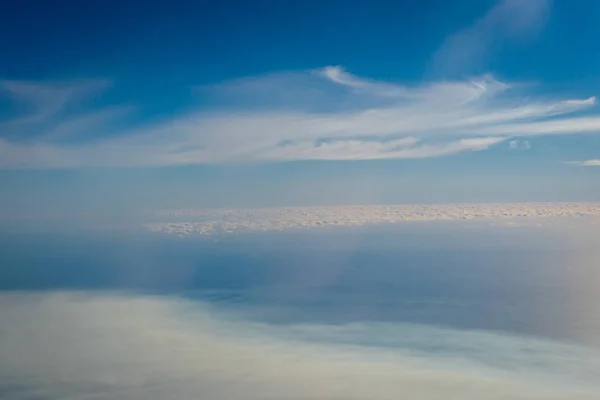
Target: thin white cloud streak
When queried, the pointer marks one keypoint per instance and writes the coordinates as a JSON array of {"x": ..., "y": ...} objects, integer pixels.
[
  {"x": 591, "y": 163},
  {"x": 587, "y": 163},
  {"x": 364, "y": 150},
  {"x": 45, "y": 101},
  {"x": 338, "y": 117},
  {"x": 470, "y": 48},
  {"x": 106, "y": 346},
  {"x": 338, "y": 75},
  {"x": 82, "y": 124},
  {"x": 553, "y": 127}
]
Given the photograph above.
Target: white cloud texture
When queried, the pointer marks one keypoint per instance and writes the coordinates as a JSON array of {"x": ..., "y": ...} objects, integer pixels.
[
  {"x": 587, "y": 163},
  {"x": 106, "y": 346},
  {"x": 332, "y": 115},
  {"x": 519, "y": 144}
]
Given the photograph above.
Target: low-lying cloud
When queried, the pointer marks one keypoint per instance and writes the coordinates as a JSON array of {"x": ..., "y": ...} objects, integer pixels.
[{"x": 106, "y": 346}]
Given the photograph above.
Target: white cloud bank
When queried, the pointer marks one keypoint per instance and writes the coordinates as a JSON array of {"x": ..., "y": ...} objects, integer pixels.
[
  {"x": 107, "y": 346},
  {"x": 333, "y": 115},
  {"x": 210, "y": 222}
]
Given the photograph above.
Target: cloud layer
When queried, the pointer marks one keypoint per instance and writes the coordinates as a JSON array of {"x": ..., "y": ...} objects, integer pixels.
[
  {"x": 211, "y": 222},
  {"x": 105, "y": 346},
  {"x": 331, "y": 115}
]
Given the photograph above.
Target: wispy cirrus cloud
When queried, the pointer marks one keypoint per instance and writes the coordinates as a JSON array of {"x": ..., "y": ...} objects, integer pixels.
[
  {"x": 320, "y": 114},
  {"x": 586, "y": 163},
  {"x": 52, "y": 111},
  {"x": 42, "y": 102},
  {"x": 333, "y": 115},
  {"x": 470, "y": 48}
]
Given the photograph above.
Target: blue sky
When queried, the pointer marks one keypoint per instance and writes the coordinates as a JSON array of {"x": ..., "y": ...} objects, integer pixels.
[{"x": 206, "y": 104}]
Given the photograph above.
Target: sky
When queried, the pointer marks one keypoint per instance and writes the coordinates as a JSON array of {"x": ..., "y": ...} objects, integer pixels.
[
  {"x": 135, "y": 105},
  {"x": 128, "y": 113}
]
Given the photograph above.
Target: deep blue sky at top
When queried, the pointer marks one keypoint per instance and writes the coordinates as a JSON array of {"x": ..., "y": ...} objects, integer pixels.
[
  {"x": 157, "y": 48},
  {"x": 155, "y": 51},
  {"x": 203, "y": 41}
]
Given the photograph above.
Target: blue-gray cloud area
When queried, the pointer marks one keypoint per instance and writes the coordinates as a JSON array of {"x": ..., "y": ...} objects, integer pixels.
[{"x": 430, "y": 310}]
